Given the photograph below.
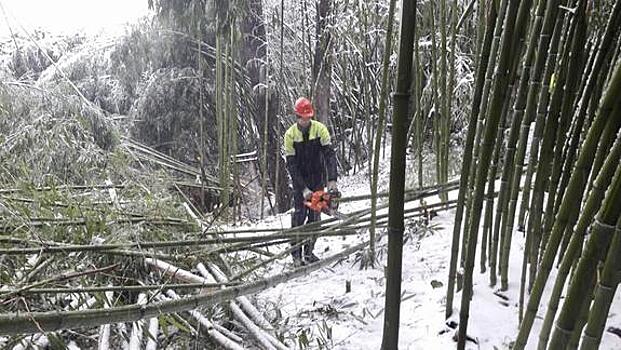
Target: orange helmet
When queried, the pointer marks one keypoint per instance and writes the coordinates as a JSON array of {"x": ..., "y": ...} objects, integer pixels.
[{"x": 304, "y": 108}]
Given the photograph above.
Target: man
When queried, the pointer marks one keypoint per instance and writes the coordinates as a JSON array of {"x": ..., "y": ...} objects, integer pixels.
[{"x": 310, "y": 161}]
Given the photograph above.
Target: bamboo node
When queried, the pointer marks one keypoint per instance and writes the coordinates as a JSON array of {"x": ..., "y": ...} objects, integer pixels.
[
  {"x": 590, "y": 339},
  {"x": 395, "y": 230},
  {"x": 605, "y": 288},
  {"x": 563, "y": 330},
  {"x": 605, "y": 226}
]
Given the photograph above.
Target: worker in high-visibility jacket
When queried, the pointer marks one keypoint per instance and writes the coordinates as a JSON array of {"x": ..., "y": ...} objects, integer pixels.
[{"x": 311, "y": 162}]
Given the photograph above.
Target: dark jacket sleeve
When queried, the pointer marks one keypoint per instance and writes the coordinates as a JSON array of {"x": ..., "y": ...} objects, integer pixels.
[
  {"x": 292, "y": 163},
  {"x": 330, "y": 156},
  {"x": 328, "y": 152},
  {"x": 294, "y": 172}
]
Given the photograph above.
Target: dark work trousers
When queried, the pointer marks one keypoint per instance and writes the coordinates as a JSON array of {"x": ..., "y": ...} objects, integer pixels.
[{"x": 303, "y": 215}]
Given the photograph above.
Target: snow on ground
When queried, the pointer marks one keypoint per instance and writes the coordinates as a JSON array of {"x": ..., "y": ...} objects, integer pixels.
[{"x": 316, "y": 312}]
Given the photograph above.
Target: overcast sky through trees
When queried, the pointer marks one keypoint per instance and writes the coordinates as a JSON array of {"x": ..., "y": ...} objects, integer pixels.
[{"x": 68, "y": 16}]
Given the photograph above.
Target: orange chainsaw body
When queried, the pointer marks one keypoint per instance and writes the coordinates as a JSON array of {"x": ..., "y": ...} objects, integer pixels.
[{"x": 323, "y": 202}]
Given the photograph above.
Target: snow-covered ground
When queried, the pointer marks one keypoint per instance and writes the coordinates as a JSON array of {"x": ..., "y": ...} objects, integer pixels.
[{"x": 317, "y": 312}]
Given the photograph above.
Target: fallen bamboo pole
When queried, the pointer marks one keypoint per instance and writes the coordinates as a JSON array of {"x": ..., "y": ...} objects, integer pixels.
[
  {"x": 250, "y": 317},
  {"x": 38, "y": 222},
  {"x": 412, "y": 192},
  {"x": 58, "y": 278},
  {"x": 33, "y": 322},
  {"x": 135, "y": 338},
  {"x": 218, "y": 337},
  {"x": 166, "y": 244},
  {"x": 133, "y": 288},
  {"x": 75, "y": 187},
  {"x": 103, "y": 342}
]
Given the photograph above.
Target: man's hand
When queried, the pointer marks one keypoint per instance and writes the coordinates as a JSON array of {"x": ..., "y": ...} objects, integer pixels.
[
  {"x": 332, "y": 186},
  {"x": 306, "y": 193}
]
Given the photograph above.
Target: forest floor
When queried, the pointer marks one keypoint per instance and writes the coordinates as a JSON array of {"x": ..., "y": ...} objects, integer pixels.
[{"x": 316, "y": 312}]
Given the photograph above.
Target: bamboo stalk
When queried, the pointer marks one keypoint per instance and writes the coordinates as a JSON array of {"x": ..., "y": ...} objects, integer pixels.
[
  {"x": 103, "y": 342},
  {"x": 187, "y": 276},
  {"x": 31, "y": 322},
  {"x": 527, "y": 107},
  {"x": 508, "y": 163},
  {"x": 483, "y": 60},
  {"x": 58, "y": 278},
  {"x": 125, "y": 288},
  {"x": 380, "y": 129},
  {"x": 569, "y": 95},
  {"x": 397, "y": 176},
  {"x": 493, "y": 117},
  {"x": 246, "y": 304},
  {"x": 214, "y": 333},
  {"x": 63, "y": 187},
  {"x": 135, "y": 338},
  {"x": 564, "y": 87},
  {"x": 153, "y": 331},
  {"x": 595, "y": 249},
  {"x": 574, "y": 190},
  {"x": 604, "y": 295},
  {"x": 168, "y": 244},
  {"x": 570, "y": 256}
]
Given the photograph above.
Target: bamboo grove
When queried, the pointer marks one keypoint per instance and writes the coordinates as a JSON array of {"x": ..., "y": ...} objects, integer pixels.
[
  {"x": 541, "y": 158},
  {"x": 545, "y": 119}
]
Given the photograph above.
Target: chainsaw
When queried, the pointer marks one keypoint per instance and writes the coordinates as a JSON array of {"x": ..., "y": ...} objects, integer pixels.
[{"x": 326, "y": 202}]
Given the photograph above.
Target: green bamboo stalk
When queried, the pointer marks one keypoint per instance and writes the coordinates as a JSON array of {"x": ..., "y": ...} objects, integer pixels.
[
  {"x": 264, "y": 145},
  {"x": 225, "y": 169},
  {"x": 166, "y": 244},
  {"x": 590, "y": 97},
  {"x": 219, "y": 105},
  {"x": 201, "y": 142},
  {"x": 518, "y": 114},
  {"x": 483, "y": 60},
  {"x": 125, "y": 288},
  {"x": 233, "y": 128},
  {"x": 561, "y": 171},
  {"x": 441, "y": 104},
  {"x": 525, "y": 255},
  {"x": 551, "y": 124},
  {"x": 58, "y": 278},
  {"x": 436, "y": 90},
  {"x": 568, "y": 258},
  {"x": 604, "y": 295},
  {"x": 412, "y": 192},
  {"x": 390, "y": 339},
  {"x": 573, "y": 192},
  {"x": 419, "y": 131},
  {"x": 493, "y": 118},
  {"x": 489, "y": 199},
  {"x": 583, "y": 313},
  {"x": 34, "y": 322},
  {"x": 608, "y": 138},
  {"x": 595, "y": 250},
  {"x": 489, "y": 75},
  {"x": 380, "y": 130},
  {"x": 550, "y": 23},
  {"x": 574, "y": 216},
  {"x": 569, "y": 95}
]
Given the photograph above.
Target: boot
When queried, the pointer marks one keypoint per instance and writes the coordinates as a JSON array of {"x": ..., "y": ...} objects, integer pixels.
[
  {"x": 297, "y": 257},
  {"x": 309, "y": 257}
]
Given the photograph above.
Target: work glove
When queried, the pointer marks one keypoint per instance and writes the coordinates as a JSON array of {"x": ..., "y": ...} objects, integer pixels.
[
  {"x": 335, "y": 195},
  {"x": 332, "y": 186},
  {"x": 306, "y": 193}
]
